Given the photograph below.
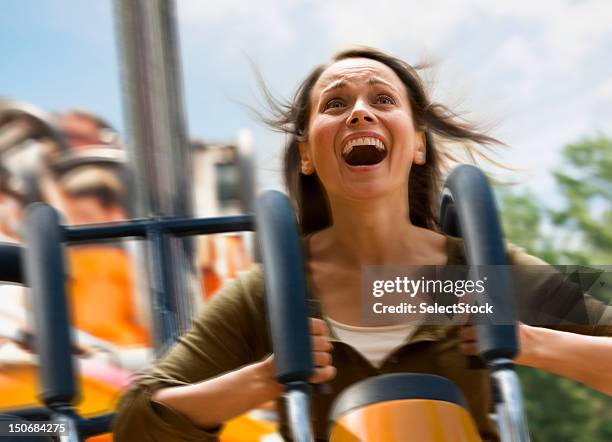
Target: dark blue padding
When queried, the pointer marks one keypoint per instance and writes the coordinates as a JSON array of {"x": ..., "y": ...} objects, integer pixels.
[
  {"x": 468, "y": 209},
  {"x": 394, "y": 387},
  {"x": 285, "y": 281},
  {"x": 43, "y": 262}
]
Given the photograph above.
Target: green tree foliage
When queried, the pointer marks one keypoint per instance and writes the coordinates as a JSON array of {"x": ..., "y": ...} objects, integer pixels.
[
  {"x": 586, "y": 184},
  {"x": 577, "y": 232}
]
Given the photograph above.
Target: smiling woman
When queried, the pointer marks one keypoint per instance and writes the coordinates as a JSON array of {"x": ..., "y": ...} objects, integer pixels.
[{"x": 363, "y": 165}]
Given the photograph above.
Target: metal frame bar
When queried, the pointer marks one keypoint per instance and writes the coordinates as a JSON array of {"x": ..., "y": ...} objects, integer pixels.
[
  {"x": 46, "y": 246},
  {"x": 177, "y": 226}
]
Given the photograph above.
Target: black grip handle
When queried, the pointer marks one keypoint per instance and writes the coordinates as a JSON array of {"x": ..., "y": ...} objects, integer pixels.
[
  {"x": 285, "y": 287},
  {"x": 468, "y": 209},
  {"x": 45, "y": 274}
]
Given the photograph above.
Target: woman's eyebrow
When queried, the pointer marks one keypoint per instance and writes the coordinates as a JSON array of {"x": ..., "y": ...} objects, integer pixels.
[
  {"x": 334, "y": 85},
  {"x": 339, "y": 84},
  {"x": 376, "y": 80}
]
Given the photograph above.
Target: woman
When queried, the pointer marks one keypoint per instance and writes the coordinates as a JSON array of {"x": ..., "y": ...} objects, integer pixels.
[{"x": 363, "y": 169}]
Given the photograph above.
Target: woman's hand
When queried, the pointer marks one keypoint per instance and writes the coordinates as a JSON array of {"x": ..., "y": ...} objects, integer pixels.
[
  {"x": 321, "y": 354},
  {"x": 468, "y": 344},
  {"x": 527, "y": 337},
  {"x": 558, "y": 352},
  {"x": 213, "y": 401}
]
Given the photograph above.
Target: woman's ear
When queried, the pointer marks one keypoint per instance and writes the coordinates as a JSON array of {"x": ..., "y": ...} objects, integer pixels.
[
  {"x": 306, "y": 166},
  {"x": 420, "y": 148}
]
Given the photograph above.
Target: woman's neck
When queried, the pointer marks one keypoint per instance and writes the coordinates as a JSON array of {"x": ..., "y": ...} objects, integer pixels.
[{"x": 379, "y": 232}]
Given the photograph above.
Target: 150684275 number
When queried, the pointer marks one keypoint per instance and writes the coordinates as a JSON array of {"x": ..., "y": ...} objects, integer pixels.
[{"x": 22, "y": 428}]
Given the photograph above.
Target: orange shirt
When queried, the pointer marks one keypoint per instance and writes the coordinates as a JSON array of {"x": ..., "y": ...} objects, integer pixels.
[{"x": 101, "y": 294}]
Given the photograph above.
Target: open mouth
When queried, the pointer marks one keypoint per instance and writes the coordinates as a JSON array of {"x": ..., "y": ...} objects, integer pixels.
[{"x": 365, "y": 151}]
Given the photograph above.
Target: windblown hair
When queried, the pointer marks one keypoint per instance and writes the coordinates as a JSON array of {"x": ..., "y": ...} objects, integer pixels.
[{"x": 436, "y": 121}]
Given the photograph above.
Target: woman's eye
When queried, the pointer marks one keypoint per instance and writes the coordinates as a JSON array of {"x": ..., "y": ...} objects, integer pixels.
[
  {"x": 336, "y": 103},
  {"x": 384, "y": 99}
]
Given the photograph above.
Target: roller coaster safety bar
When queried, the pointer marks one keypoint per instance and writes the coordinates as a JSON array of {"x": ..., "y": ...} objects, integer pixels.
[
  {"x": 287, "y": 306},
  {"x": 468, "y": 210},
  {"x": 42, "y": 268}
]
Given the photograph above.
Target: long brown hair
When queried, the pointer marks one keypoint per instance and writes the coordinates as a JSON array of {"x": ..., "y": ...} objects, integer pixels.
[{"x": 434, "y": 119}]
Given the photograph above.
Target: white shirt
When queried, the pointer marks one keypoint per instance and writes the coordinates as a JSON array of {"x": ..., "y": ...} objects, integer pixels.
[{"x": 374, "y": 343}]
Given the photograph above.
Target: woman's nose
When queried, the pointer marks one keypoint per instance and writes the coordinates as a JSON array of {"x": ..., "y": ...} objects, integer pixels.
[{"x": 361, "y": 114}]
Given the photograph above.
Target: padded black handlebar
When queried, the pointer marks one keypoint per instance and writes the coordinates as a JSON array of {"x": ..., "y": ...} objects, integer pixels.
[
  {"x": 285, "y": 287},
  {"x": 468, "y": 209},
  {"x": 45, "y": 273},
  {"x": 46, "y": 276}
]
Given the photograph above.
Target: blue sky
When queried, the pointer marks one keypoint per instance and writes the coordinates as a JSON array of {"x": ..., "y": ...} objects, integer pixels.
[{"x": 538, "y": 73}]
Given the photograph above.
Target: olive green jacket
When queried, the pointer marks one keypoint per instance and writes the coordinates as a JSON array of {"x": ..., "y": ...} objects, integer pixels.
[{"x": 231, "y": 331}]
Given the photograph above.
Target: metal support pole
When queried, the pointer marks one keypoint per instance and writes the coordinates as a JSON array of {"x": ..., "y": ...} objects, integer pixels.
[
  {"x": 153, "y": 106},
  {"x": 165, "y": 330},
  {"x": 298, "y": 406},
  {"x": 510, "y": 414}
]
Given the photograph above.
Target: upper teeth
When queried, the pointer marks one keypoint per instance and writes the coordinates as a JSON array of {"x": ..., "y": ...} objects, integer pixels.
[{"x": 366, "y": 141}]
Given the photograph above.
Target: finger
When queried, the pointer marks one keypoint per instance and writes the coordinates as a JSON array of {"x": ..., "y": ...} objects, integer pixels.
[
  {"x": 469, "y": 348},
  {"x": 321, "y": 358},
  {"x": 323, "y": 374},
  {"x": 467, "y": 333},
  {"x": 320, "y": 343},
  {"x": 318, "y": 327}
]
